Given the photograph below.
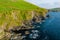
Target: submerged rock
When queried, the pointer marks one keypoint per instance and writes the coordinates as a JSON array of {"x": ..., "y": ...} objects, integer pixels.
[{"x": 48, "y": 16}]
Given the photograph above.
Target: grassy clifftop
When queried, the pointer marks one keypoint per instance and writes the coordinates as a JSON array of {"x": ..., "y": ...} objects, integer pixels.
[
  {"x": 15, "y": 12},
  {"x": 16, "y": 4}
]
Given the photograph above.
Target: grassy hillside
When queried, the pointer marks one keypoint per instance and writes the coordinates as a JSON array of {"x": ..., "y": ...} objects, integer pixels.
[
  {"x": 16, "y": 4},
  {"x": 15, "y": 12}
]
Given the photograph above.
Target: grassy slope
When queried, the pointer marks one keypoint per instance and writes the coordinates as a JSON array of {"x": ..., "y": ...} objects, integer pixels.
[
  {"x": 19, "y": 4},
  {"x": 14, "y": 12}
]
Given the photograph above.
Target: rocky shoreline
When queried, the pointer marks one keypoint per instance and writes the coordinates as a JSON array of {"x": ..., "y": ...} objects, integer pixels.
[{"x": 22, "y": 32}]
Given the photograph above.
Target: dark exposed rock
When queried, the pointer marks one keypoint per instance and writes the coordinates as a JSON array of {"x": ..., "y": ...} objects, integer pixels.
[
  {"x": 48, "y": 16},
  {"x": 34, "y": 19},
  {"x": 42, "y": 18}
]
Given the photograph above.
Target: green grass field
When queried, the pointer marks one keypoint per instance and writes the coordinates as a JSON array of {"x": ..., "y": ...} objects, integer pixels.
[
  {"x": 16, "y": 4},
  {"x": 14, "y": 12}
]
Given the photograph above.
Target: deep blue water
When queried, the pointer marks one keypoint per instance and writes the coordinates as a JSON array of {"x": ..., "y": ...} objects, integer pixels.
[{"x": 52, "y": 26}]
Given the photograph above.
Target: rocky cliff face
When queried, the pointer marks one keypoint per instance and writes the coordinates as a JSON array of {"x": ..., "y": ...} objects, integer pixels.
[
  {"x": 18, "y": 15},
  {"x": 15, "y": 22}
]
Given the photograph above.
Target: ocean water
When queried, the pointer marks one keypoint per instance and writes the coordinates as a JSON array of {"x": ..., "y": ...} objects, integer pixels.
[{"x": 52, "y": 26}]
